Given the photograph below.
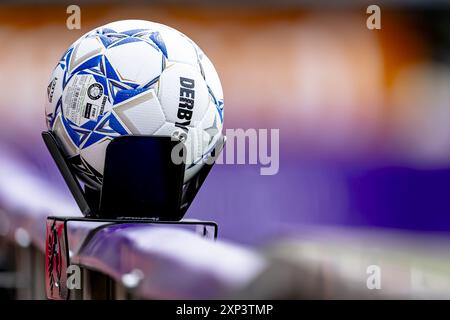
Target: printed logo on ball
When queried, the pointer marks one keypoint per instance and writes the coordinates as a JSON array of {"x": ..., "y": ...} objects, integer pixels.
[
  {"x": 90, "y": 111},
  {"x": 95, "y": 91},
  {"x": 51, "y": 89},
  {"x": 81, "y": 102},
  {"x": 187, "y": 96}
]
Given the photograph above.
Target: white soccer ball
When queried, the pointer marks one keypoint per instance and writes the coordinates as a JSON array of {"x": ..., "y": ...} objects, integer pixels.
[{"x": 133, "y": 77}]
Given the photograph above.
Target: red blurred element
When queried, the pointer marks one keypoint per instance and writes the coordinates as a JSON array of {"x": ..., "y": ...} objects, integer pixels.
[{"x": 56, "y": 263}]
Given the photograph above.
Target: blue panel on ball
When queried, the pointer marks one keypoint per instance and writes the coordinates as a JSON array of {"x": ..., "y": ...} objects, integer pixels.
[
  {"x": 71, "y": 132},
  {"x": 107, "y": 31},
  {"x": 125, "y": 41},
  {"x": 93, "y": 138},
  {"x": 158, "y": 40},
  {"x": 91, "y": 63},
  {"x": 110, "y": 72},
  {"x": 123, "y": 95},
  {"x": 106, "y": 41},
  {"x": 133, "y": 32},
  {"x": 116, "y": 125}
]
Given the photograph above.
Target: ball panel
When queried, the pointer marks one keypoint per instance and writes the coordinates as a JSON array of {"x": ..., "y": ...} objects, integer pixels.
[
  {"x": 54, "y": 92},
  {"x": 179, "y": 48},
  {"x": 84, "y": 50},
  {"x": 168, "y": 129},
  {"x": 192, "y": 171},
  {"x": 213, "y": 81},
  {"x": 212, "y": 126},
  {"x": 69, "y": 147},
  {"x": 130, "y": 24},
  {"x": 211, "y": 76},
  {"x": 141, "y": 114},
  {"x": 95, "y": 154},
  {"x": 136, "y": 62}
]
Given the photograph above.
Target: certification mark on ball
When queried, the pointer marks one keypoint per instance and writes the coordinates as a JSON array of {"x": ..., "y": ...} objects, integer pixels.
[{"x": 95, "y": 91}]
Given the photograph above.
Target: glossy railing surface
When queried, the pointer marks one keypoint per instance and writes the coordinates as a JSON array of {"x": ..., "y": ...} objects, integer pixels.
[
  {"x": 156, "y": 261},
  {"x": 164, "y": 261}
]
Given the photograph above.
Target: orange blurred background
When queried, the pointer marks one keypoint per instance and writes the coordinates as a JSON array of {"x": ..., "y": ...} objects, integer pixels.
[{"x": 319, "y": 74}]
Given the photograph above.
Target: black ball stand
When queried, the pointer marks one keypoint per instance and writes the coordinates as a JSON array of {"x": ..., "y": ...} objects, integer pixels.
[{"x": 141, "y": 184}]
